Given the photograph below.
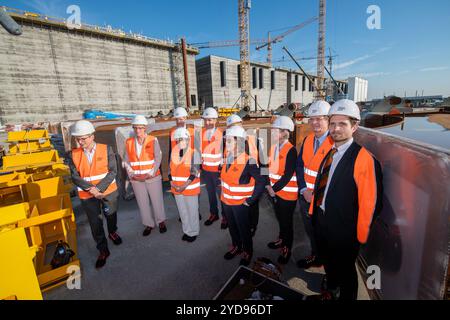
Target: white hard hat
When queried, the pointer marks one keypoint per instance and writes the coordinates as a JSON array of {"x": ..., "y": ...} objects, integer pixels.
[
  {"x": 180, "y": 112},
  {"x": 82, "y": 128},
  {"x": 283, "y": 122},
  {"x": 236, "y": 132},
  {"x": 345, "y": 107},
  {"x": 181, "y": 133},
  {"x": 139, "y": 121},
  {"x": 210, "y": 113},
  {"x": 319, "y": 108},
  {"x": 234, "y": 118}
]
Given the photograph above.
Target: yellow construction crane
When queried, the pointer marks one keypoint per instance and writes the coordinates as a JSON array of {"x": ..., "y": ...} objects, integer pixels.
[
  {"x": 321, "y": 50},
  {"x": 244, "y": 7}
]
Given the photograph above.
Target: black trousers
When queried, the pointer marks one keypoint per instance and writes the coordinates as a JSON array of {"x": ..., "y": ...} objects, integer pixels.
[
  {"x": 308, "y": 223},
  {"x": 238, "y": 218},
  {"x": 284, "y": 211},
  {"x": 97, "y": 209},
  {"x": 212, "y": 181},
  {"x": 254, "y": 215},
  {"x": 338, "y": 255}
]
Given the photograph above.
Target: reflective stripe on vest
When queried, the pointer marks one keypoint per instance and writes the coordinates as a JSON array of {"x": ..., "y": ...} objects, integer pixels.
[
  {"x": 145, "y": 162},
  {"x": 180, "y": 171},
  {"x": 234, "y": 193},
  {"x": 312, "y": 161},
  {"x": 212, "y": 151},
  {"x": 277, "y": 168},
  {"x": 94, "y": 172}
]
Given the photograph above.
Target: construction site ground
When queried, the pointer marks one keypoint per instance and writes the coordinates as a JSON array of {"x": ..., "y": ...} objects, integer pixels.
[{"x": 162, "y": 266}]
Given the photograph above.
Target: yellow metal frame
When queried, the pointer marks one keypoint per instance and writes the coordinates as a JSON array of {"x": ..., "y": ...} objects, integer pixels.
[
  {"x": 17, "y": 275},
  {"x": 30, "y": 160},
  {"x": 14, "y": 136},
  {"x": 34, "y": 198}
]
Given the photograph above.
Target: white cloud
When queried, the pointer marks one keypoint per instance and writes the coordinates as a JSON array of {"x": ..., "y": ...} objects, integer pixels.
[
  {"x": 435, "y": 69},
  {"x": 359, "y": 59}
]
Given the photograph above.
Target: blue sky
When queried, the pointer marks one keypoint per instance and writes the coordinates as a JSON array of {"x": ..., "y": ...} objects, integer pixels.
[{"x": 409, "y": 53}]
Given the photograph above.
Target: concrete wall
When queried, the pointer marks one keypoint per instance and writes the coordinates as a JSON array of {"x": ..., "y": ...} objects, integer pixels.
[
  {"x": 49, "y": 74},
  {"x": 212, "y": 93}
]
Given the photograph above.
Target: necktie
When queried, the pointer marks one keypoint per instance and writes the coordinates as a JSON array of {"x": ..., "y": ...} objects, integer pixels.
[
  {"x": 316, "y": 145},
  {"x": 324, "y": 177}
]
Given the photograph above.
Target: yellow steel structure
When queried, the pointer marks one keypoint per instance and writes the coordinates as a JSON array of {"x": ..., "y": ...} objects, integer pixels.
[
  {"x": 28, "y": 141},
  {"x": 18, "y": 279},
  {"x": 17, "y": 276},
  {"x": 29, "y": 160},
  {"x": 35, "y": 199}
]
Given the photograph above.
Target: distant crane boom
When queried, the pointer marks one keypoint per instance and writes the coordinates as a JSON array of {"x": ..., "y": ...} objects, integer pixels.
[
  {"x": 225, "y": 43},
  {"x": 284, "y": 34}
]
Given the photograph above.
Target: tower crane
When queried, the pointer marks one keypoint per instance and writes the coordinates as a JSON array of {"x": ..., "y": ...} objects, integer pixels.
[{"x": 280, "y": 37}]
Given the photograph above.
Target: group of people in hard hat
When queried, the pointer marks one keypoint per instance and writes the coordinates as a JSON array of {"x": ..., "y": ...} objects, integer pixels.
[{"x": 336, "y": 181}]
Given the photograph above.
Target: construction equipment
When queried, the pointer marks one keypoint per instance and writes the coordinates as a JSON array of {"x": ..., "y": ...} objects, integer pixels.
[
  {"x": 244, "y": 50},
  {"x": 280, "y": 37},
  {"x": 321, "y": 50},
  {"x": 99, "y": 114},
  {"x": 321, "y": 94},
  {"x": 9, "y": 24},
  {"x": 35, "y": 205}
]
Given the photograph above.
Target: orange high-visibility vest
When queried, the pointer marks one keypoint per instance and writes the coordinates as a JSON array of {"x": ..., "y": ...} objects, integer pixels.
[
  {"x": 233, "y": 193},
  {"x": 180, "y": 170},
  {"x": 145, "y": 163},
  {"x": 212, "y": 151},
  {"x": 277, "y": 167},
  {"x": 312, "y": 161},
  {"x": 173, "y": 143},
  {"x": 94, "y": 172}
]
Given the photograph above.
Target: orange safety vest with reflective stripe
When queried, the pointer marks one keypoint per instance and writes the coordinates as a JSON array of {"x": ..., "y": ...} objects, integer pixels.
[
  {"x": 173, "y": 143},
  {"x": 312, "y": 161},
  {"x": 144, "y": 163},
  {"x": 233, "y": 193},
  {"x": 212, "y": 150},
  {"x": 180, "y": 170},
  {"x": 94, "y": 172},
  {"x": 277, "y": 168}
]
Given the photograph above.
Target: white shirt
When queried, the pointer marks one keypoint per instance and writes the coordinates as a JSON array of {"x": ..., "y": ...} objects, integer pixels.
[
  {"x": 210, "y": 133},
  {"x": 336, "y": 158},
  {"x": 90, "y": 155},
  {"x": 278, "y": 147},
  {"x": 138, "y": 147}
]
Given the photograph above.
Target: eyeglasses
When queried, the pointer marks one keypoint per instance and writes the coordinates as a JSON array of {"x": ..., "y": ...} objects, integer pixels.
[
  {"x": 139, "y": 128},
  {"x": 83, "y": 138}
]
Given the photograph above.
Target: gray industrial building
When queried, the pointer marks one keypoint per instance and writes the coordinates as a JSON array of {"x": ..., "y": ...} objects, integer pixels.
[
  {"x": 51, "y": 72},
  {"x": 219, "y": 84}
]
